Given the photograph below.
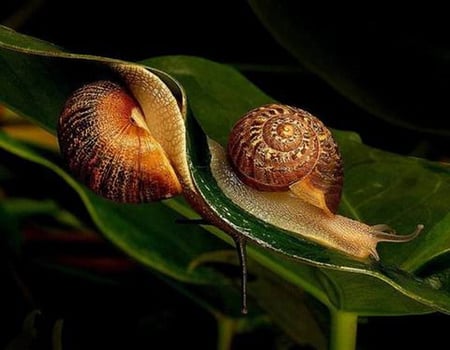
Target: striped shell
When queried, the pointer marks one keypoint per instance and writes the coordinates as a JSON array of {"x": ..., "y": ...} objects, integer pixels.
[
  {"x": 109, "y": 141},
  {"x": 278, "y": 147}
]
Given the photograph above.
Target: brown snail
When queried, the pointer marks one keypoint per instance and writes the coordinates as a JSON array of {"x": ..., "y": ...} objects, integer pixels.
[
  {"x": 127, "y": 142},
  {"x": 284, "y": 167}
]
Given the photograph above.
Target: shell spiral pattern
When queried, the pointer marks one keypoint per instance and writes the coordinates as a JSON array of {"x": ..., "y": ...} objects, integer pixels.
[{"x": 278, "y": 147}]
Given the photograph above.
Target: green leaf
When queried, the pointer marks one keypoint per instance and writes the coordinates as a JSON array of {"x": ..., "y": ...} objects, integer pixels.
[
  {"x": 395, "y": 69},
  {"x": 149, "y": 233},
  {"x": 218, "y": 95},
  {"x": 393, "y": 176},
  {"x": 286, "y": 304},
  {"x": 219, "y": 103},
  {"x": 16, "y": 41},
  {"x": 24, "y": 207},
  {"x": 10, "y": 240},
  {"x": 399, "y": 191},
  {"x": 35, "y": 80}
]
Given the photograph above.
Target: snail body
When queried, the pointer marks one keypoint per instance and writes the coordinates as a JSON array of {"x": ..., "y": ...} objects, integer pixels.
[
  {"x": 295, "y": 215},
  {"x": 127, "y": 142}
]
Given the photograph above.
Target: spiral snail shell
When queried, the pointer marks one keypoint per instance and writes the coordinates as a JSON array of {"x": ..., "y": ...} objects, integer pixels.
[{"x": 277, "y": 147}]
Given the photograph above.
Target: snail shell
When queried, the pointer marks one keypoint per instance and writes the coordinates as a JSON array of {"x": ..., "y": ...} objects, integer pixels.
[
  {"x": 278, "y": 147},
  {"x": 112, "y": 137}
]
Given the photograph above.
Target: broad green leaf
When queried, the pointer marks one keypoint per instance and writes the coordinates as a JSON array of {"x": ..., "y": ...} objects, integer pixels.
[
  {"x": 399, "y": 191},
  {"x": 380, "y": 187},
  {"x": 371, "y": 296},
  {"x": 437, "y": 243},
  {"x": 218, "y": 95},
  {"x": 395, "y": 69},
  {"x": 219, "y": 103},
  {"x": 303, "y": 250},
  {"x": 13, "y": 39},
  {"x": 393, "y": 173},
  {"x": 149, "y": 233}
]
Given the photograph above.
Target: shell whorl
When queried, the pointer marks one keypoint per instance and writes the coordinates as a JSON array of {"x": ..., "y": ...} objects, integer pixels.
[
  {"x": 104, "y": 138},
  {"x": 278, "y": 147}
]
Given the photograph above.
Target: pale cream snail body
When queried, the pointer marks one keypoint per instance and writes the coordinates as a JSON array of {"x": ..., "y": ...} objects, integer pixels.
[{"x": 126, "y": 140}]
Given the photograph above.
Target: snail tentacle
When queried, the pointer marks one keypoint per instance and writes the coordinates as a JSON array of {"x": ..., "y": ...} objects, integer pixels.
[
  {"x": 383, "y": 227},
  {"x": 383, "y": 236}
]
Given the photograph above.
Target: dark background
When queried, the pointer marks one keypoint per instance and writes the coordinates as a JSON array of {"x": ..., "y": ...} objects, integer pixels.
[
  {"x": 228, "y": 32},
  {"x": 137, "y": 307}
]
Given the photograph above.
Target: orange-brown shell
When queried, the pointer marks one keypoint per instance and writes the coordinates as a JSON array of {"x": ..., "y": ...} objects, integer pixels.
[
  {"x": 103, "y": 137},
  {"x": 278, "y": 147}
]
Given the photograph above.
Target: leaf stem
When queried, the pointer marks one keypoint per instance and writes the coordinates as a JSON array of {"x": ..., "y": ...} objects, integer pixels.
[
  {"x": 226, "y": 329},
  {"x": 57, "y": 335},
  {"x": 343, "y": 330}
]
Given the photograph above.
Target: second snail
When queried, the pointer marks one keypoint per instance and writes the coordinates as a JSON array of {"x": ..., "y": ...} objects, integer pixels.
[{"x": 126, "y": 140}]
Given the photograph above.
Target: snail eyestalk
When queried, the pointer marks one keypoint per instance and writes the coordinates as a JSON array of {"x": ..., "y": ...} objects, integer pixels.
[{"x": 384, "y": 233}]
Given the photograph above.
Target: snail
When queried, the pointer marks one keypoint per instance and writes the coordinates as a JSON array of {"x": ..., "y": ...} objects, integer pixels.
[
  {"x": 283, "y": 166},
  {"x": 126, "y": 140}
]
